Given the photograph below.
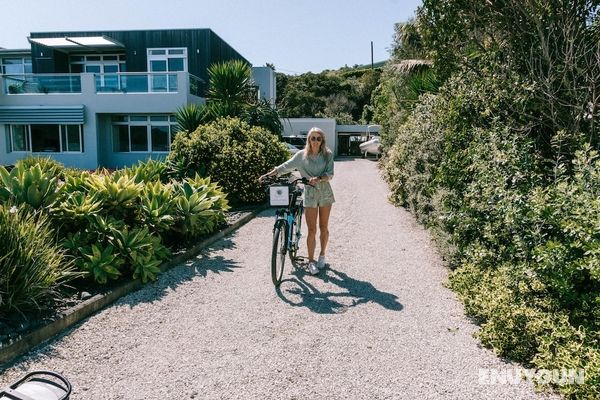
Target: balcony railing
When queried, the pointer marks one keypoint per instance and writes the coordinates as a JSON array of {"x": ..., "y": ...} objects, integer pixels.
[
  {"x": 42, "y": 83},
  {"x": 197, "y": 86},
  {"x": 127, "y": 82},
  {"x": 134, "y": 82}
]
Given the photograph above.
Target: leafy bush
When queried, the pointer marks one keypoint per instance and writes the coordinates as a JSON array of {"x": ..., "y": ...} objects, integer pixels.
[
  {"x": 232, "y": 153},
  {"x": 29, "y": 185},
  {"x": 117, "y": 224},
  {"x": 199, "y": 206},
  {"x": 32, "y": 267},
  {"x": 521, "y": 230}
]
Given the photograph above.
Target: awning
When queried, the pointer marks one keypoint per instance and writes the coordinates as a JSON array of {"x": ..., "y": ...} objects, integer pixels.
[
  {"x": 42, "y": 114},
  {"x": 70, "y": 43}
]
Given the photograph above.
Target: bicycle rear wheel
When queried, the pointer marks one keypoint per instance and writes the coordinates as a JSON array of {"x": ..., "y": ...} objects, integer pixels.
[{"x": 279, "y": 250}]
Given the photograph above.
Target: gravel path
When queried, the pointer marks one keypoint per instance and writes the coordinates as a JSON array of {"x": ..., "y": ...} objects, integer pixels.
[{"x": 377, "y": 324}]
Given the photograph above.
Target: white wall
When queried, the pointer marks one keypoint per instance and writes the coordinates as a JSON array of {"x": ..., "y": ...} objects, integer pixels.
[
  {"x": 97, "y": 149},
  {"x": 264, "y": 78},
  {"x": 301, "y": 126}
]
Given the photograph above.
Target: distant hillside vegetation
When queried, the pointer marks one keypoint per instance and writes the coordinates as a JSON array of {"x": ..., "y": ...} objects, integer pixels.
[{"x": 343, "y": 94}]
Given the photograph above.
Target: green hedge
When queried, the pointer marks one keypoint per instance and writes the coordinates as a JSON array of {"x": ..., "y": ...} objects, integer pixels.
[{"x": 521, "y": 232}]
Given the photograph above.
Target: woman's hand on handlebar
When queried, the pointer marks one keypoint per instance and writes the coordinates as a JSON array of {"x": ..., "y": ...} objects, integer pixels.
[{"x": 313, "y": 181}]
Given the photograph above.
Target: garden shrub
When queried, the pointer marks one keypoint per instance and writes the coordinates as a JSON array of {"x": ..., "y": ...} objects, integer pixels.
[
  {"x": 231, "y": 152},
  {"x": 33, "y": 269},
  {"x": 522, "y": 231}
]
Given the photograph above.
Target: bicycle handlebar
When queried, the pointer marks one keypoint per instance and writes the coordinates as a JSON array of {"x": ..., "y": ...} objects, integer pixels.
[{"x": 304, "y": 181}]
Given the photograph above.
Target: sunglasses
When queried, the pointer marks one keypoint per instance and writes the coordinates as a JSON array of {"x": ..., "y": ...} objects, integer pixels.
[{"x": 315, "y": 138}]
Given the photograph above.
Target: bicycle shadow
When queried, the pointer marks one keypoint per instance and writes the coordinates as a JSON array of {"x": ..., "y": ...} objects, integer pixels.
[{"x": 334, "y": 302}]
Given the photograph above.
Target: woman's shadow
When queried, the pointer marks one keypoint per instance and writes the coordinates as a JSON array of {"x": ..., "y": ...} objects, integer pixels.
[{"x": 329, "y": 302}]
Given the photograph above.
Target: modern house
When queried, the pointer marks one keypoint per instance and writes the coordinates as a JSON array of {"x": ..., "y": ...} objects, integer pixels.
[{"x": 105, "y": 98}]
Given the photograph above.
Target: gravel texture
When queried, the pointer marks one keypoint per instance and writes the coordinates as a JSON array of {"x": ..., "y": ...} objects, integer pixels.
[{"x": 376, "y": 324}]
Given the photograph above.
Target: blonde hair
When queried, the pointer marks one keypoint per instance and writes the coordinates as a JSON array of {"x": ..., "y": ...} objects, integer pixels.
[{"x": 323, "y": 149}]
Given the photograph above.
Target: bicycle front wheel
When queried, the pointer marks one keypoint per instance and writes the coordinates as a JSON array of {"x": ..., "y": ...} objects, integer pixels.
[{"x": 279, "y": 249}]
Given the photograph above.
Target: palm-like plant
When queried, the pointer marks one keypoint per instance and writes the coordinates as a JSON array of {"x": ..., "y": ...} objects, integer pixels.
[
  {"x": 230, "y": 83},
  {"x": 189, "y": 116}
]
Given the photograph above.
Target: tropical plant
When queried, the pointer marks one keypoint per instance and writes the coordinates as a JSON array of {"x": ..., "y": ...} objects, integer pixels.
[
  {"x": 189, "y": 117},
  {"x": 101, "y": 262},
  {"x": 195, "y": 211},
  {"x": 156, "y": 208},
  {"x": 28, "y": 185},
  {"x": 33, "y": 269},
  {"x": 142, "y": 251},
  {"x": 229, "y": 87},
  {"x": 118, "y": 194},
  {"x": 145, "y": 171},
  {"x": 232, "y": 94}
]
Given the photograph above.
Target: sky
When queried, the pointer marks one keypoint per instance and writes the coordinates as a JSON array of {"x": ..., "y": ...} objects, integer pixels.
[{"x": 296, "y": 36}]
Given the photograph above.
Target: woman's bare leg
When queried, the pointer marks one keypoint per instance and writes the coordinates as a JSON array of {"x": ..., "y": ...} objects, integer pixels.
[
  {"x": 324, "y": 227},
  {"x": 310, "y": 214}
]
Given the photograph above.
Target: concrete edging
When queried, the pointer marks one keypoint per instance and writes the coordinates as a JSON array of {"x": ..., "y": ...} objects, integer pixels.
[{"x": 90, "y": 306}]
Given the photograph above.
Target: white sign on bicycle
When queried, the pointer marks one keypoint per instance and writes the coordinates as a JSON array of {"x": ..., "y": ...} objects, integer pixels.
[{"x": 279, "y": 195}]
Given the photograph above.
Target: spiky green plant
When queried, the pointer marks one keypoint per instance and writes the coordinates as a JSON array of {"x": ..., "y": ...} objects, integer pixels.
[
  {"x": 33, "y": 269},
  {"x": 189, "y": 117},
  {"x": 28, "y": 184},
  {"x": 229, "y": 81}
]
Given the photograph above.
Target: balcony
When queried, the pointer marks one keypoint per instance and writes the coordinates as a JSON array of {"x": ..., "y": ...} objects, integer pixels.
[
  {"x": 86, "y": 83},
  {"x": 41, "y": 83}
]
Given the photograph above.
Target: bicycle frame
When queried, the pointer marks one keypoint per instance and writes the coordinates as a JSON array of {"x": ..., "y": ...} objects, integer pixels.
[
  {"x": 289, "y": 214},
  {"x": 287, "y": 230}
]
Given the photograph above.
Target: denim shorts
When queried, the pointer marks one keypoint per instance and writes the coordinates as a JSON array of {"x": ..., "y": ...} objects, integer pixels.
[{"x": 319, "y": 196}]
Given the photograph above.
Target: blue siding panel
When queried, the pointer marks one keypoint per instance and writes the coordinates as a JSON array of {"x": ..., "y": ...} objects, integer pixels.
[{"x": 42, "y": 115}]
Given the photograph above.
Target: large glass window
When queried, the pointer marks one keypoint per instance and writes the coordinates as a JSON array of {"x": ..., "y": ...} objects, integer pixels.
[
  {"x": 139, "y": 138},
  {"x": 45, "y": 138},
  {"x": 160, "y": 138},
  {"x": 120, "y": 138},
  {"x": 107, "y": 63},
  {"x": 142, "y": 133},
  {"x": 72, "y": 141},
  {"x": 19, "y": 138}
]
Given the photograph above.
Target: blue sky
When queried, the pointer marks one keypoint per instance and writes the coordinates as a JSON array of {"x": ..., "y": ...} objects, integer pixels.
[{"x": 295, "y": 35}]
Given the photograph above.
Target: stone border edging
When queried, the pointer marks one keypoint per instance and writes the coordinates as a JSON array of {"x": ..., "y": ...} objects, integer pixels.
[{"x": 90, "y": 306}]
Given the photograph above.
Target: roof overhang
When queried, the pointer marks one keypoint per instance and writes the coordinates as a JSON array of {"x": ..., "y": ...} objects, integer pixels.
[{"x": 78, "y": 43}]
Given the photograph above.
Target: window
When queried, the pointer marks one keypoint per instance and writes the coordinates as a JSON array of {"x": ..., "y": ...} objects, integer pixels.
[
  {"x": 143, "y": 133},
  {"x": 16, "y": 66},
  {"x": 19, "y": 137},
  {"x": 166, "y": 60},
  {"x": 107, "y": 63},
  {"x": 45, "y": 138},
  {"x": 160, "y": 138},
  {"x": 72, "y": 141}
]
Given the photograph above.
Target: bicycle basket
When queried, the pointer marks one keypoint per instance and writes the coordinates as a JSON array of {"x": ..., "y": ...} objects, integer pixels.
[{"x": 279, "y": 195}]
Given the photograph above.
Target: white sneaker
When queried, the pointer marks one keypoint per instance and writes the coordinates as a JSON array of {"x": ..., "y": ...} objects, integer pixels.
[
  {"x": 321, "y": 262},
  {"x": 312, "y": 268}
]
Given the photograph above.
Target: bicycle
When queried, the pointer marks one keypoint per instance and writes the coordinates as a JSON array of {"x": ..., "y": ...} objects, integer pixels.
[{"x": 287, "y": 230}]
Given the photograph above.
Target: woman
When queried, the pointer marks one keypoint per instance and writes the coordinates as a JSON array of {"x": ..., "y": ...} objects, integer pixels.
[{"x": 315, "y": 163}]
